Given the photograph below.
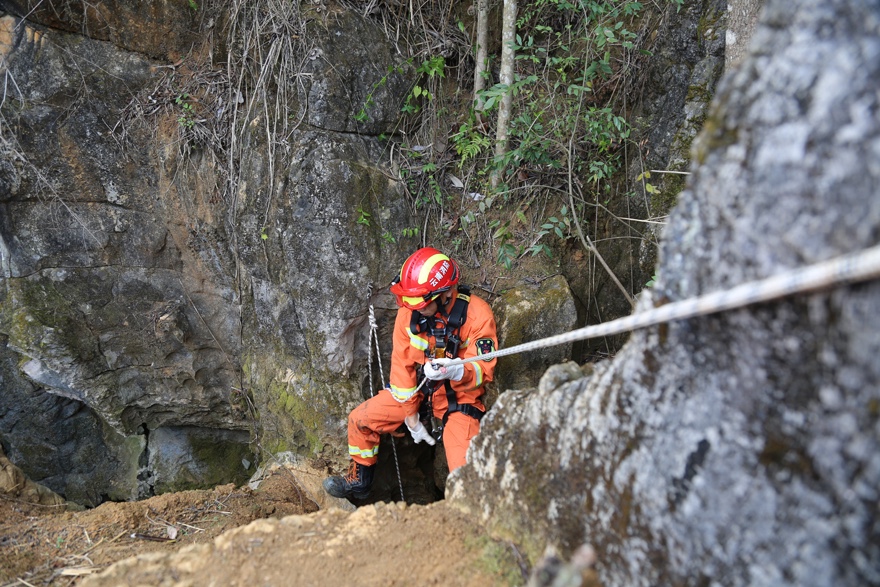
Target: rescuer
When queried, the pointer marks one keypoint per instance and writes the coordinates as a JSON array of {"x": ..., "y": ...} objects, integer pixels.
[{"x": 438, "y": 320}]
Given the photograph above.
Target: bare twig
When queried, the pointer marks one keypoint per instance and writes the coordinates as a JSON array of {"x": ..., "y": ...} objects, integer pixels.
[
  {"x": 140, "y": 536},
  {"x": 668, "y": 171}
]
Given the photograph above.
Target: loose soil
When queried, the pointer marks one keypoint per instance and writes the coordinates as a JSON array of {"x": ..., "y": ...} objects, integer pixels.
[{"x": 272, "y": 535}]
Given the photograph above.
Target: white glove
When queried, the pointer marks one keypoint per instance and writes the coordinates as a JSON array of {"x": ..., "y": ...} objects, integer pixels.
[
  {"x": 419, "y": 433},
  {"x": 437, "y": 369}
]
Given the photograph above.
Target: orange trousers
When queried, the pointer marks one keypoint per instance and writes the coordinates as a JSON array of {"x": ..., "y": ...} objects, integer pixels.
[{"x": 383, "y": 414}]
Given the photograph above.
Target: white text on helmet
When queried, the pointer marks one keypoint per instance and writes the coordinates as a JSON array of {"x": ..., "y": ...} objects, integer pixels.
[{"x": 441, "y": 271}]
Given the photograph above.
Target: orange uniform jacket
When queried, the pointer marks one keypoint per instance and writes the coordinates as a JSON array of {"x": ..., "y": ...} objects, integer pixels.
[
  {"x": 385, "y": 412},
  {"x": 478, "y": 336}
]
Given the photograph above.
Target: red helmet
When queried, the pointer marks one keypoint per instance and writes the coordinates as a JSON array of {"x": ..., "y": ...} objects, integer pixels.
[{"x": 426, "y": 274}]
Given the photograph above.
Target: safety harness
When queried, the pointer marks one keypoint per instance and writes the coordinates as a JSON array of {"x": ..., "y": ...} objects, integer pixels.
[{"x": 447, "y": 342}]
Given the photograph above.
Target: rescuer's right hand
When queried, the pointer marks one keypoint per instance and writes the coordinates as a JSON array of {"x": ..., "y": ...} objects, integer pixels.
[
  {"x": 438, "y": 369},
  {"x": 419, "y": 433}
]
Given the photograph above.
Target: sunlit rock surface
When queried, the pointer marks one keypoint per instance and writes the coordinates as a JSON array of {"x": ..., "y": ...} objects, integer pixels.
[{"x": 742, "y": 448}]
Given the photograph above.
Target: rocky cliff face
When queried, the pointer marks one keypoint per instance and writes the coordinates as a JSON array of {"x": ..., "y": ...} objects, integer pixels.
[
  {"x": 187, "y": 242},
  {"x": 741, "y": 448},
  {"x": 149, "y": 313}
]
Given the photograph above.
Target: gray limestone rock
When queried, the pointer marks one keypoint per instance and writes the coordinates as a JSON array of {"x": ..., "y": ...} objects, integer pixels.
[
  {"x": 186, "y": 457},
  {"x": 525, "y": 314},
  {"x": 131, "y": 282},
  {"x": 740, "y": 448}
]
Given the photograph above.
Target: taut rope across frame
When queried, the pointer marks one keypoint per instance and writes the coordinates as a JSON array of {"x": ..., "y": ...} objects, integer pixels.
[{"x": 855, "y": 267}]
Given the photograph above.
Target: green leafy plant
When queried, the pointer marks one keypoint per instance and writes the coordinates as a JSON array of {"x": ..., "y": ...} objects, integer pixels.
[
  {"x": 560, "y": 226},
  {"x": 650, "y": 188},
  {"x": 469, "y": 142},
  {"x": 423, "y": 185},
  {"x": 429, "y": 69},
  {"x": 433, "y": 67},
  {"x": 363, "y": 216},
  {"x": 507, "y": 251},
  {"x": 409, "y": 232},
  {"x": 435, "y": 194},
  {"x": 566, "y": 133},
  {"x": 565, "y": 52},
  {"x": 187, "y": 117}
]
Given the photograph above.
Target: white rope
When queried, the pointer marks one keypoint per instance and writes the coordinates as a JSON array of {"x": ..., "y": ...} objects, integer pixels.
[
  {"x": 373, "y": 328},
  {"x": 856, "y": 267},
  {"x": 374, "y": 336}
]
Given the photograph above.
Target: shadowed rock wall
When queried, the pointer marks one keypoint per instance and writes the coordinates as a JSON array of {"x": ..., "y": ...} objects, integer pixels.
[
  {"x": 152, "y": 306},
  {"x": 741, "y": 448},
  {"x": 106, "y": 298},
  {"x": 667, "y": 98}
]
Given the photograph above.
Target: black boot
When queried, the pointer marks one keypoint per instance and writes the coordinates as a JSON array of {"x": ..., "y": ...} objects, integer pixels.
[{"x": 355, "y": 484}]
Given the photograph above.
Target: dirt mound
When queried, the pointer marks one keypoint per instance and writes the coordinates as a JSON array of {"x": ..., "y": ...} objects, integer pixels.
[
  {"x": 271, "y": 535},
  {"x": 378, "y": 545},
  {"x": 44, "y": 545}
]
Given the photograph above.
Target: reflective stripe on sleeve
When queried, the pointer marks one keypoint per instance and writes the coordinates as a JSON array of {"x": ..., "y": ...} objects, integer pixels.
[
  {"x": 478, "y": 375},
  {"x": 417, "y": 341}
]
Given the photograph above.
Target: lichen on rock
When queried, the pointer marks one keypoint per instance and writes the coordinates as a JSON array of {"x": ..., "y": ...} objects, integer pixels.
[{"x": 740, "y": 448}]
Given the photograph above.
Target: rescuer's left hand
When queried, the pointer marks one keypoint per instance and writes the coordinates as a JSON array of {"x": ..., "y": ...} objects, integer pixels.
[
  {"x": 438, "y": 369},
  {"x": 420, "y": 433}
]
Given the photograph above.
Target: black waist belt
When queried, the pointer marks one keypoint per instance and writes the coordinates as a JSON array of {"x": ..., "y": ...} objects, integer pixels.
[
  {"x": 454, "y": 406},
  {"x": 469, "y": 410}
]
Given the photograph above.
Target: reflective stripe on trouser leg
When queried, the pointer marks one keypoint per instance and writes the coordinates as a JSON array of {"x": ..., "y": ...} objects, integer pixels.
[
  {"x": 378, "y": 415},
  {"x": 457, "y": 435},
  {"x": 363, "y": 455}
]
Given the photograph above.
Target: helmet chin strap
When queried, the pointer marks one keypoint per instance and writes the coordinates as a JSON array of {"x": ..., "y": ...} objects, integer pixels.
[{"x": 443, "y": 304}]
